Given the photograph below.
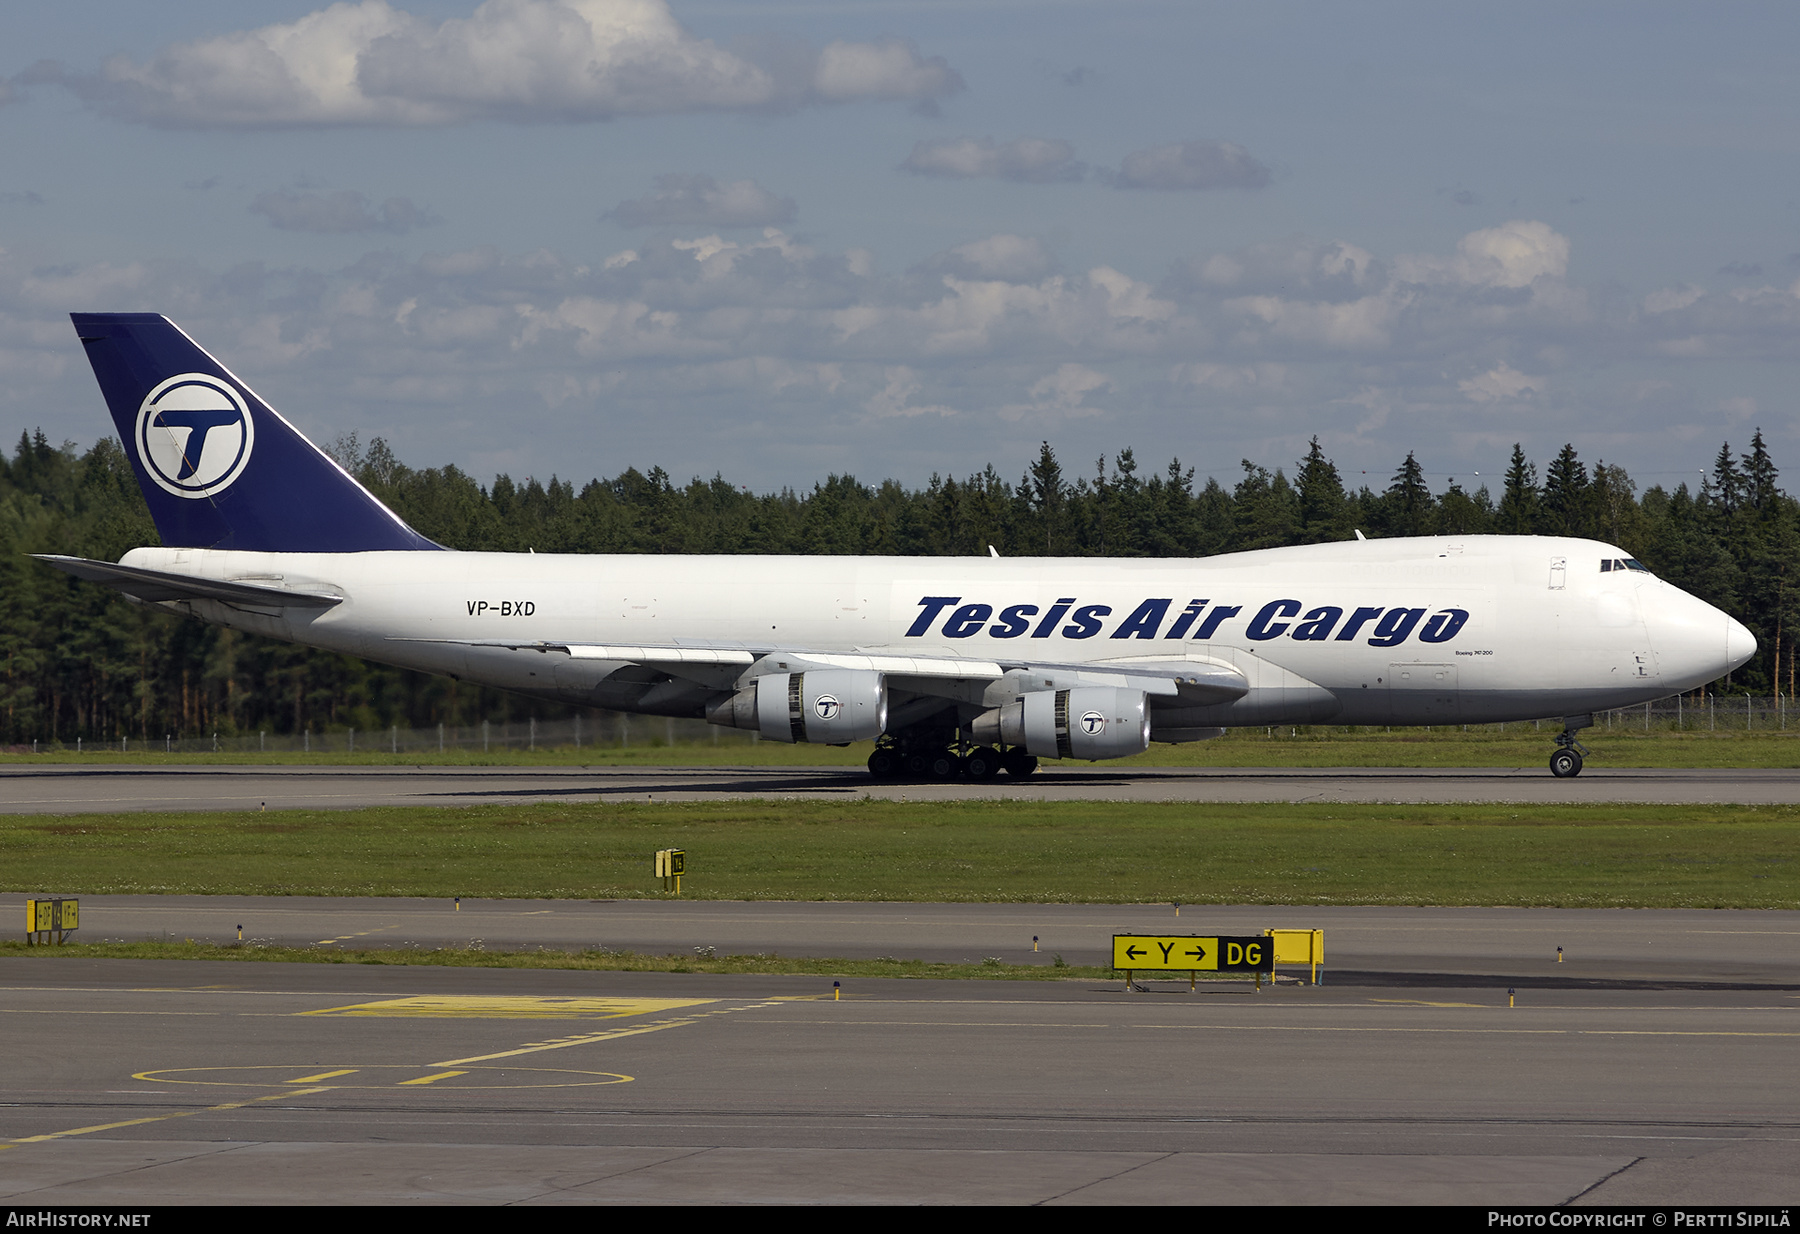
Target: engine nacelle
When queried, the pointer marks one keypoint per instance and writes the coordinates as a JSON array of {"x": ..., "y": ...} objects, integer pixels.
[
  {"x": 1093, "y": 722},
  {"x": 829, "y": 707}
]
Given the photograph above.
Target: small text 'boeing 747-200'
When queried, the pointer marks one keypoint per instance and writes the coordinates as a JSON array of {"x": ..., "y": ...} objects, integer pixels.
[{"x": 952, "y": 666}]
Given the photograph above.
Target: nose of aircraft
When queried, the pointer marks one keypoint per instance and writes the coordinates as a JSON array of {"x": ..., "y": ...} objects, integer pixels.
[
  {"x": 1695, "y": 642},
  {"x": 1740, "y": 644}
]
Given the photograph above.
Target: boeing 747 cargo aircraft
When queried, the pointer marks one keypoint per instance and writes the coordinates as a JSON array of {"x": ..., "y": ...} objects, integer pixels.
[{"x": 952, "y": 666}]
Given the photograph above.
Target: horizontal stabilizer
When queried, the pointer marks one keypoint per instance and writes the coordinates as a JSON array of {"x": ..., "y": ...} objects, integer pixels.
[{"x": 155, "y": 585}]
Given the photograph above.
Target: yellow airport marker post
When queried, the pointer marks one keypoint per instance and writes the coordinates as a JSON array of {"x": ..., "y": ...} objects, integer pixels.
[
  {"x": 1299, "y": 947},
  {"x": 48, "y": 917},
  {"x": 671, "y": 864}
]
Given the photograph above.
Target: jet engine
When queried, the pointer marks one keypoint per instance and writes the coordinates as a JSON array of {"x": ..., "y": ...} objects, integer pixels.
[
  {"x": 830, "y": 706},
  {"x": 1093, "y": 722}
]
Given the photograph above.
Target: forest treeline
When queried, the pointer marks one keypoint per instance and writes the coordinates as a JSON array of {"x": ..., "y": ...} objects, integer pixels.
[{"x": 81, "y": 661}]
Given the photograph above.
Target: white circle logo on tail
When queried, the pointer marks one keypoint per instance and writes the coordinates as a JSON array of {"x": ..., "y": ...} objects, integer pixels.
[
  {"x": 194, "y": 435},
  {"x": 1093, "y": 723}
]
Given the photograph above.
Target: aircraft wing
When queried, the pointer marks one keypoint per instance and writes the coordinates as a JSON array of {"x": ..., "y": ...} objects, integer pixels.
[
  {"x": 1191, "y": 681},
  {"x": 158, "y": 585}
]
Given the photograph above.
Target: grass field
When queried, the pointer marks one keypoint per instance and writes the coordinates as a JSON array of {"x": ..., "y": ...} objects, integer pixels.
[
  {"x": 1051, "y": 967},
  {"x": 1517, "y": 745},
  {"x": 1094, "y": 852}
]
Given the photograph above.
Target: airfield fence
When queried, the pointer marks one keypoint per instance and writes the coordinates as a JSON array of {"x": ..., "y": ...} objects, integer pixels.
[
  {"x": 602, "y": 731},
  {"x": 620, "y": 731}
]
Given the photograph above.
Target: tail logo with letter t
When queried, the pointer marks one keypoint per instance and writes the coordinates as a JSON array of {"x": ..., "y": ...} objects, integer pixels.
[
  {"x": 219, "y": 467},
  {"x": 194, "y": 435}
]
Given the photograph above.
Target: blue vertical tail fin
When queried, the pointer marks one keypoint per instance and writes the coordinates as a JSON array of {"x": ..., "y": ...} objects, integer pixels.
[{"x": 218, "y": 466}]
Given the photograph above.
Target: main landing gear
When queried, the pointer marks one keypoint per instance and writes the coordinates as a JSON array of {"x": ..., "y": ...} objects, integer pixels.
[
  {"x": 1566, "y": 762},
  {"x": 947, "y": 760}
]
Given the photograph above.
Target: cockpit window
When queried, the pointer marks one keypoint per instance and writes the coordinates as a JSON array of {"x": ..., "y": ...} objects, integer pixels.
[{"x": 1623, "y": 563}]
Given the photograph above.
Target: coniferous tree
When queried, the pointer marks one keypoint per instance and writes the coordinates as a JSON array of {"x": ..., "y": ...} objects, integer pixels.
[
  {"x": 1460, "y": 514},
  {"x": 1267, "y": 512},
  {"x": 1519, "y": 500},
  {"x": 1048, "y": 492},
  {"x": 1724, "y": 488},
  {"x": 1613, "y": 508},
  {"x": 1759, "y": 476},
  {"x": 1565, "y": 495},
  {"x": 1407, "y": 502},
  {"x": 1321, "y": 495}
]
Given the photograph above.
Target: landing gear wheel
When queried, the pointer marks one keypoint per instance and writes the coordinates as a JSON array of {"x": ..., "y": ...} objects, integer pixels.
[
  {"x": 885, "y": 764},
  {"x": 1015, "y": 762},
  {"x": 944, "y": 765},
  {"x": 983, "y": 763},
  {"x": 1565, "y": 764}
]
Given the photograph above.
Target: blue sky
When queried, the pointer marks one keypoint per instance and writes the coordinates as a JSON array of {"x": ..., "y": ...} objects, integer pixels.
[{"x": 777, "y": 240}]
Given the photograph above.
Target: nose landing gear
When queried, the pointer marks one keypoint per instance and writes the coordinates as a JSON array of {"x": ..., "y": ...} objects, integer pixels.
[{"x": 1566, "y": 761}]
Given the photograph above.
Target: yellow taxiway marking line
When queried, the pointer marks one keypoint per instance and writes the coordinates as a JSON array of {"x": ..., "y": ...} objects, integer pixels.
[
  {"x": 564, "y": 1043},
  {"x": 253, "y": 1076},
  {"x": 431, "y": 1079},
  {"x": 344, "y": 938},
  {"x": 511, "y": 1007},
  {"x": 529, "y": 1048},
  {"x": 157, "y": 1118},
  {"x": 1420, "y": 1002}
]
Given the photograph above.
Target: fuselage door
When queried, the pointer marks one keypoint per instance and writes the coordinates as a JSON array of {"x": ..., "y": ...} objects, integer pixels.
[
  {"x": 1559, "y": 572},
  {"x": 1423, "y": 693}
]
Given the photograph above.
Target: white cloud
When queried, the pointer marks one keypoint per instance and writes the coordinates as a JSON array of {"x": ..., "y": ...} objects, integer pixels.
[
  {"x": 895, "y": 397},
  {"x": 1514, "y": 254},
  {"x": 1365, "y": 323},
  {"x": 731, "y": 349},
  {"x": 1008, "y": 258},
  {"x": 1060, "y": 395},
  {"x": 102, "y": 283},
  {"x": 1669, "y": 299},
  {"x": 1502, "y": 382},
  {"x": 1128, "y": 298},
  {"x": 515, "y": 60},
  {"x": 1336, "y": 270},
  {"x": 1508, "y": 280},
  {"x": 1255, "y": 378},
  {"x": 682, "y": 200},
  {"x": 1030, "y": 159},
  {"x": 1192, "y": 165},
  {"x": 295, "y": 210},
  {"x": 888, "y": 69}
]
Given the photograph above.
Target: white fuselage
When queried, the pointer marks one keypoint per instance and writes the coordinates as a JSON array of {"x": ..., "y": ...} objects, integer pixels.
[{"x": 1452, "y": 629}]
